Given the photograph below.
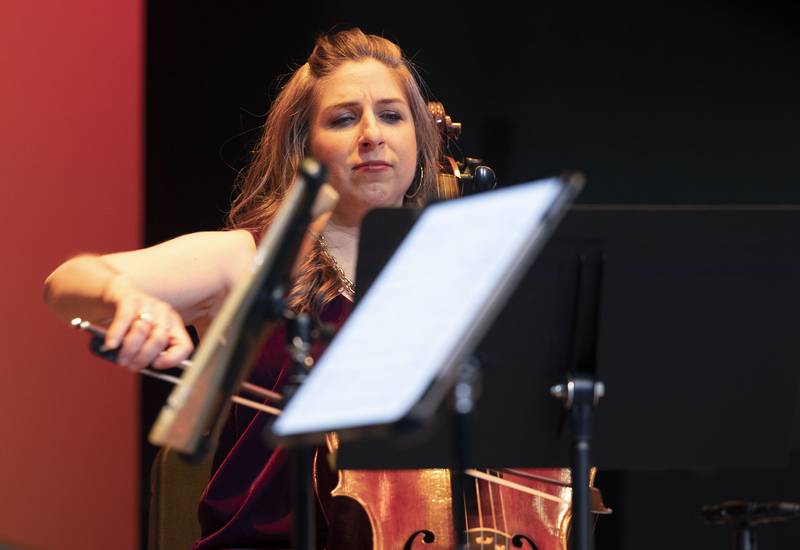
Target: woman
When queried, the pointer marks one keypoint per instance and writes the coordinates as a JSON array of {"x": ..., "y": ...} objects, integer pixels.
[{"x": 356, "y": 106}]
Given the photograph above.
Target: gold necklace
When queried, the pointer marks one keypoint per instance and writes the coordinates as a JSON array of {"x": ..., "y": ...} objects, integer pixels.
[{"x": 348, "y": 285}]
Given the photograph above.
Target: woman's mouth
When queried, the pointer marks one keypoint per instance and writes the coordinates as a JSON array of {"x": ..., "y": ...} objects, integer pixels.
[{"x": 372, "y": 166}]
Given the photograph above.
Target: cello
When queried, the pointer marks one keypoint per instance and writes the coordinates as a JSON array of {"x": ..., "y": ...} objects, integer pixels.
[{"x": 504, "y": 508}]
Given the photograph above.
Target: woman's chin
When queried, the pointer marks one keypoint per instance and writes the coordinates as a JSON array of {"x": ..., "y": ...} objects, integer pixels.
[
  {"x": 379, "y": 195},
  {"x": 351, "y": 212}
]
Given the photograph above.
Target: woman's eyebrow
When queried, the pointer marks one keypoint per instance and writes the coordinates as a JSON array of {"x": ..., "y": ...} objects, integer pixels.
[{"x": 347, "y": 104}]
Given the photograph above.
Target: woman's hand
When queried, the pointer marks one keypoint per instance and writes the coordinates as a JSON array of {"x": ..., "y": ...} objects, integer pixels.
[{"x": 147, "y": 330}]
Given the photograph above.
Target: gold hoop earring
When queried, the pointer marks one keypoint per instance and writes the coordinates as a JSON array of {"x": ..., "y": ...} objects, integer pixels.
[{"x": 419, "y": 184}]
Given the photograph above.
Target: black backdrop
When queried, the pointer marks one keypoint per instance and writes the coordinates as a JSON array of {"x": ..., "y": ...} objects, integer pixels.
[{"x": 686, "y": 102}]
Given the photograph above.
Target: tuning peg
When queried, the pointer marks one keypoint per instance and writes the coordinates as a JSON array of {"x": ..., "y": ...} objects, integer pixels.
[
  {"x": 484, "y": 179},
  {"x": 470, "y": 163}
]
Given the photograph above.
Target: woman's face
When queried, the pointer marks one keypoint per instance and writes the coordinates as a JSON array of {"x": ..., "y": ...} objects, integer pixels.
[{"x": 363, "y": 132}]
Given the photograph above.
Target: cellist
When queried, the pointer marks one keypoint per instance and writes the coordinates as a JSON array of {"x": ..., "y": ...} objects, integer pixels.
[{"x": 356, "y": 106}]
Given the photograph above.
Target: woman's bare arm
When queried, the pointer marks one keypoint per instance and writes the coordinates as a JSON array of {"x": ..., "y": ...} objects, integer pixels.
[{"x": 179, "y": 281}]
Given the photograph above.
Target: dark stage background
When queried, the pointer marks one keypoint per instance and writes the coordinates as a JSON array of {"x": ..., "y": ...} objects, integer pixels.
[{"x": 689, "y": 103}]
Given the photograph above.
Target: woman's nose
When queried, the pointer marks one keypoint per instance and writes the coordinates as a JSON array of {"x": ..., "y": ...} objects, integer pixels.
[{"x": 371, "y": 134}]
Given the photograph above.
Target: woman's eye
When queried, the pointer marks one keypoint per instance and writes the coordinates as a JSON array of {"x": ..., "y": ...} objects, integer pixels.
[
  {"x": 342, "y": 120},
  {"x": 392, "y": 116}
]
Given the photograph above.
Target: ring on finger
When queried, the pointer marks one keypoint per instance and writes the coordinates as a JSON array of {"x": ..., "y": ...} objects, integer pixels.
[{"x": 146, "y": 316}]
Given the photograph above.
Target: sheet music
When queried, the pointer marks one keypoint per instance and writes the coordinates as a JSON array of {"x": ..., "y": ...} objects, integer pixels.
[{"x": 418, "y": 310}]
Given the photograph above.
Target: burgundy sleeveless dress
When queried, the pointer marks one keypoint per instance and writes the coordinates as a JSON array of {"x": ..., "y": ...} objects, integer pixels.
[{"x": 246, "y": 503}]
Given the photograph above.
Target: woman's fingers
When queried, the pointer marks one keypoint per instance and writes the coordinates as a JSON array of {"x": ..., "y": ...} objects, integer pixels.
[
  {"x": 145, "y": 330},
  {"x": 179, "y": 347},
  {"x": 127, "y": 311},
  {"x": 135, "y": 337},
  {"x": 165, "y": 345},
  {"x": 154, "y": 343}
]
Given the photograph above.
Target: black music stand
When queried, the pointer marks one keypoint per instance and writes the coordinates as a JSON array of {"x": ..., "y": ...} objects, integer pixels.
[
  {"x": 688, "y": 316},
  {"x": 347, "y": 394}
]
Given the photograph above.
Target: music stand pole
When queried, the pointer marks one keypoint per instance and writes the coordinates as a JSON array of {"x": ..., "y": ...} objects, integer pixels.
[
  {"x": 580, "y": 395},
  {"x": 465, "y": 393},
  {"x": 301, "y": 456},
  {"x": 745, "y": 538}
]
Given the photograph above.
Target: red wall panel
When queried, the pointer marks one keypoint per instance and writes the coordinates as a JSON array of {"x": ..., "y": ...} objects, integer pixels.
[{"x": 70, "y": 181}]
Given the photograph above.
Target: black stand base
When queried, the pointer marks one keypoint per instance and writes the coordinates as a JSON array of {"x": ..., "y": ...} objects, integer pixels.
[{"x": 744, "y": 517}]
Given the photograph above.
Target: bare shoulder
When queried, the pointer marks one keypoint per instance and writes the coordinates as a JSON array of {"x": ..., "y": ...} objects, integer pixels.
[
  {"x": 241, "y": 238},
  {"x": 232, "y": 251},
  {"x": 240, "y": 248},
  {"x": 227, "y": 242},
  {"x": 231, "y": 241}
]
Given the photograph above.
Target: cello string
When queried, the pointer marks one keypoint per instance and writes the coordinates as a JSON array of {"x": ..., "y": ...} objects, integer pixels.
[
  {"x": 503, "y": 508},
  {"x": 500, "y": 498},
  {"x": 511, "y": 485},
  {"x": 528, "y": 475},
  {"x": 491, "y": 505},
  {"x": 480, "y": 510}
]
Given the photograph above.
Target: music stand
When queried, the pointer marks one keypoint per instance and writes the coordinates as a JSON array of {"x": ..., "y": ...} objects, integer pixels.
[
  {"x": 397, "y": 388},
  {"x": 684, "y": 293}
]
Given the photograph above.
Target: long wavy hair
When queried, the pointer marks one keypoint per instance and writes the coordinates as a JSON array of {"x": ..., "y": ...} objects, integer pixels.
[{"x": 285, "y": 141}]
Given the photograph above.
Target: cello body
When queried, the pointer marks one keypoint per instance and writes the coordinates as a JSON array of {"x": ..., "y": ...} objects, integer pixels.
[{"x": 412, "y": 509}]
